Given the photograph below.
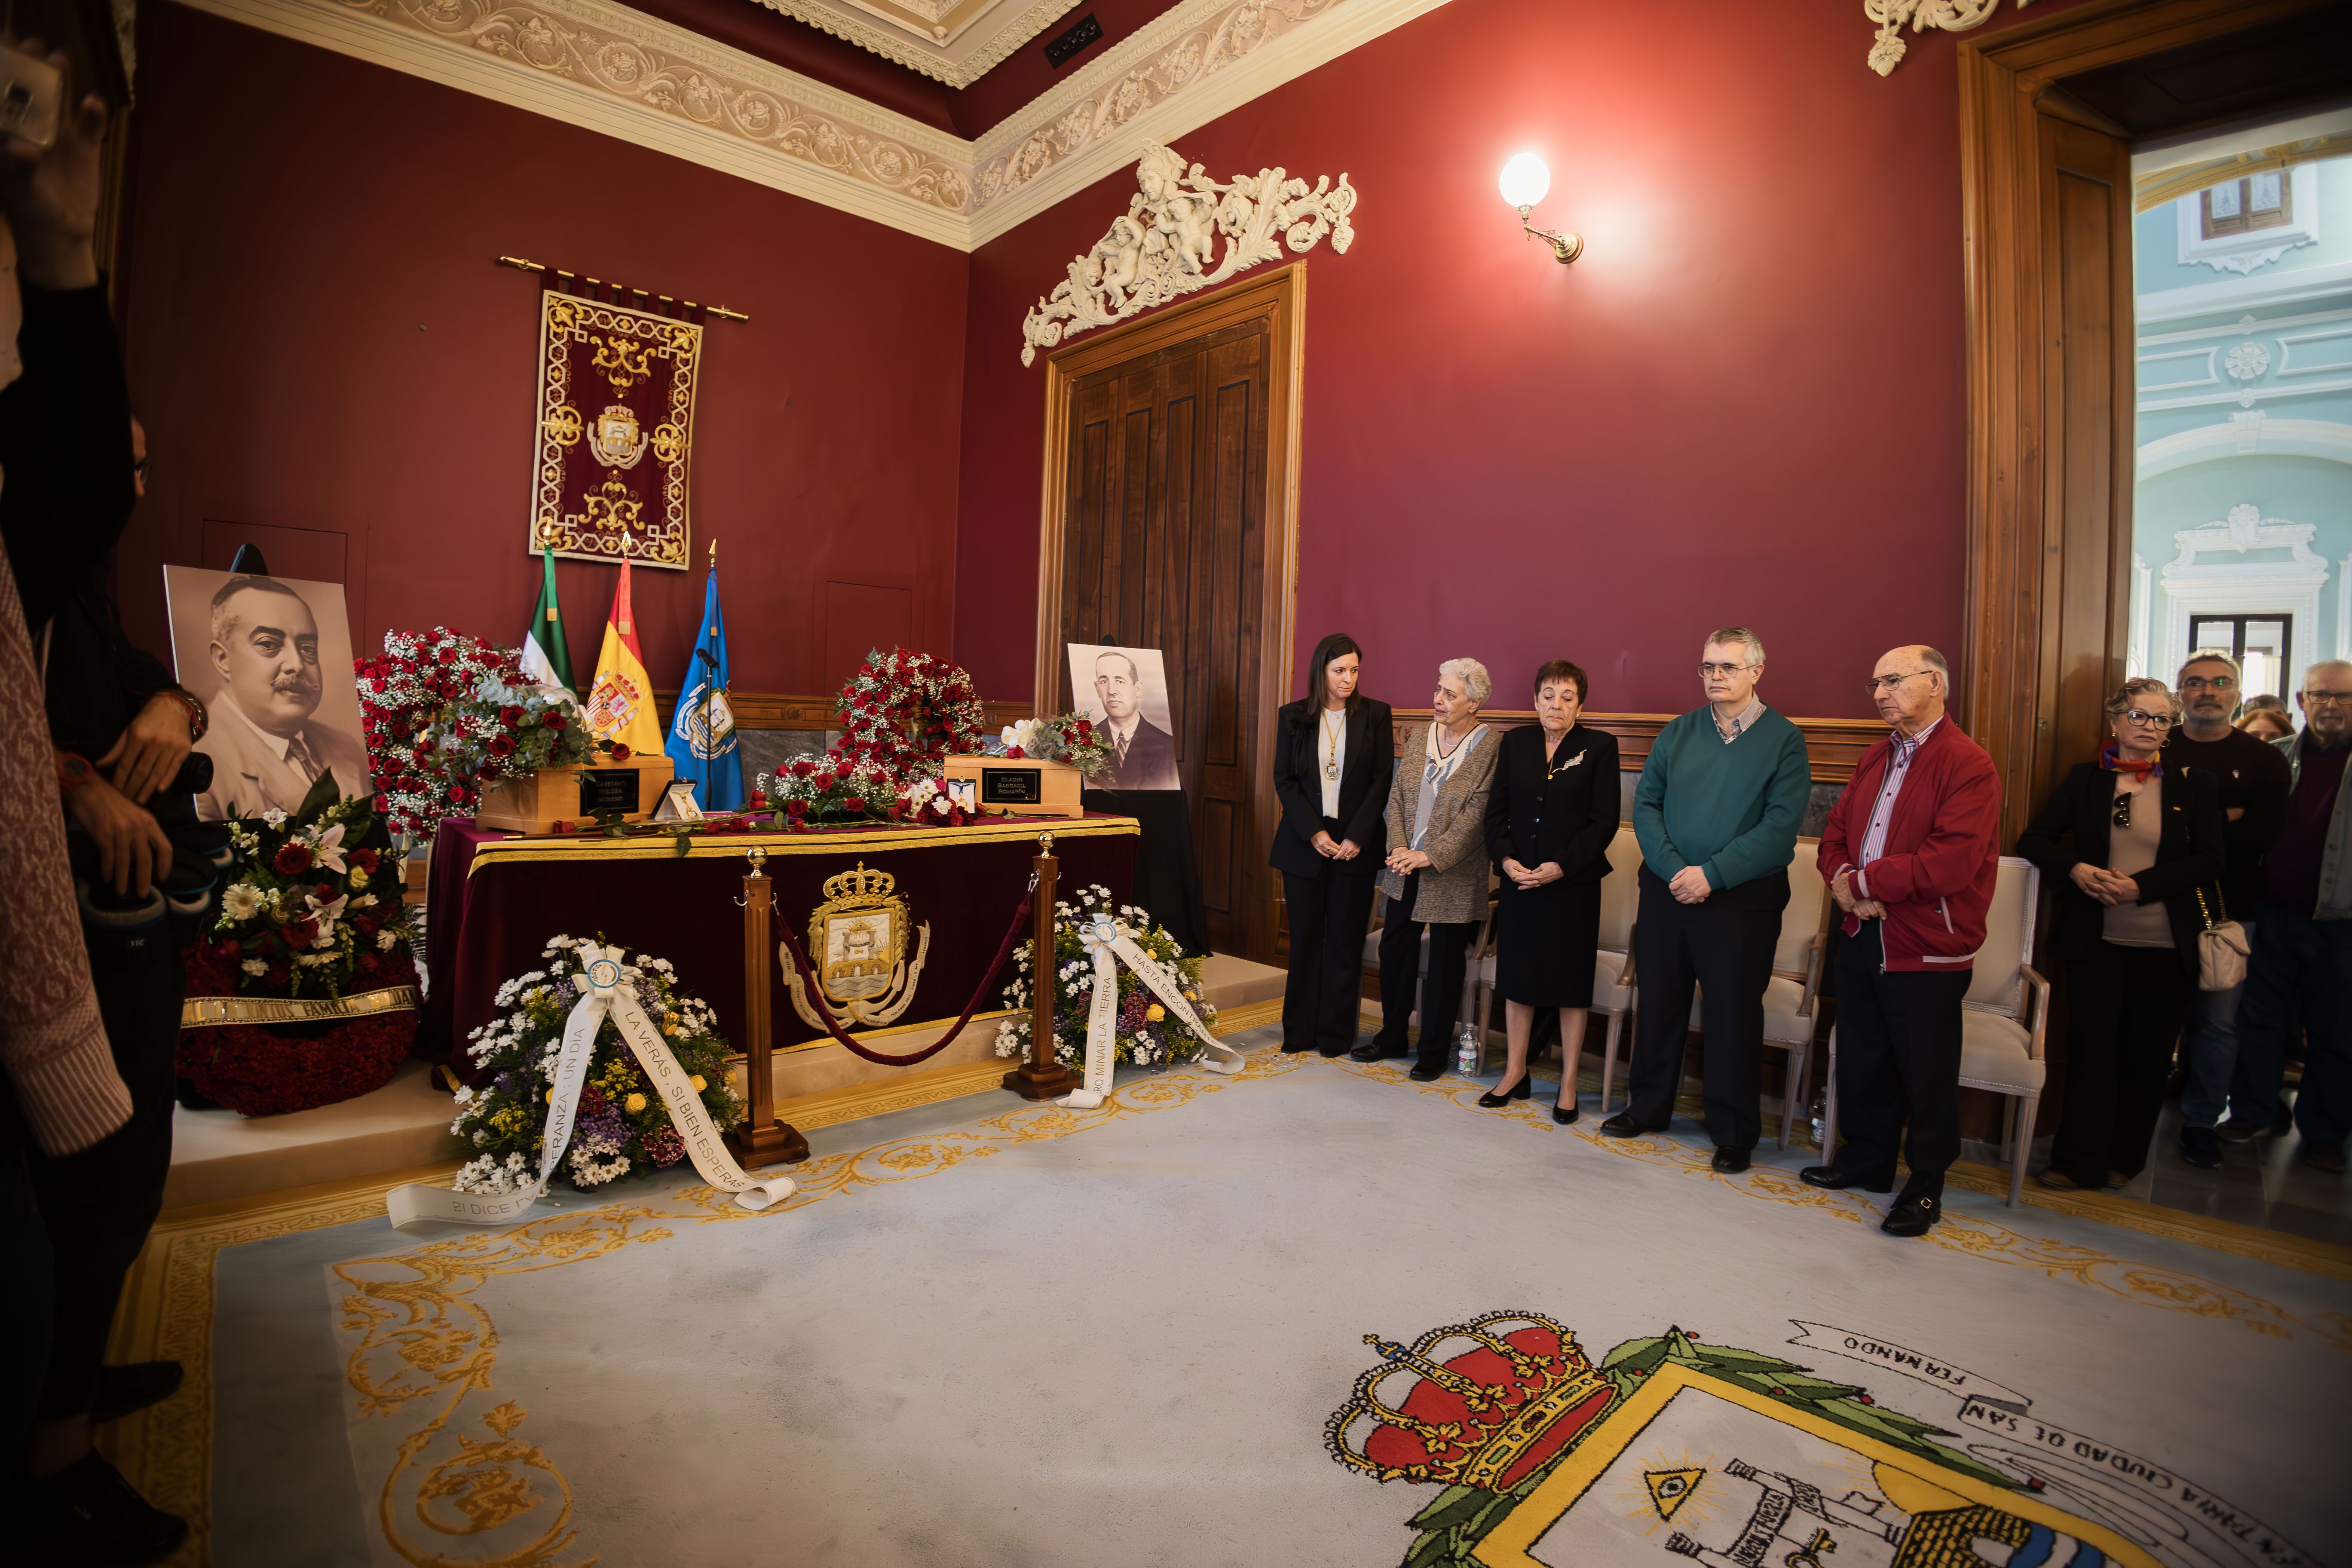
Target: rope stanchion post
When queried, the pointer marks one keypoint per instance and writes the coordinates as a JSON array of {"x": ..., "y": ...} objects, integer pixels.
[
  {"x": 762, "y": 1139},
  {"x": 1041, "y": 1077}
]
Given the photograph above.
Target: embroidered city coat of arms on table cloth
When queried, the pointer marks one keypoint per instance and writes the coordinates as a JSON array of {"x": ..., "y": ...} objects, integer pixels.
[{"x": 616, "y": 428}]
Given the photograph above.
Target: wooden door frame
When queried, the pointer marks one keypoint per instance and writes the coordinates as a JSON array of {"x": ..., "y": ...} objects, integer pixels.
[
  {"x": 2012, "y": 652},
  {"x": 1280, "y": 297}
]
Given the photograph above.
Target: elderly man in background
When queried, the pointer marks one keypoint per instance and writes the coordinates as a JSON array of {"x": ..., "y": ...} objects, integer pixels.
[
  {"x": 1911, "y": 852},
  {"x": 1716, "y": 817},
  {"x": 2302, "y": 961},
  {"x": 2252, "y": 774}
]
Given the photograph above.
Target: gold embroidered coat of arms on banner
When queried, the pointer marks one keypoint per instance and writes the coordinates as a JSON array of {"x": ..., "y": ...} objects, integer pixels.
[
  {"x": 857, "y": 945},
  {"x": 616, "y": 428}
]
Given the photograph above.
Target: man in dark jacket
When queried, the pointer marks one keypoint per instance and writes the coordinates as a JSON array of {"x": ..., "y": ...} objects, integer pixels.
[
  {"x": 1912, "y": 853},
  {"x": 2252, "y": 775}
]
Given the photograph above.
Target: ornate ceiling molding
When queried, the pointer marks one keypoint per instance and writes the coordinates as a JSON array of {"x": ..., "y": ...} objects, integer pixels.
[
  {"x": 947, "y": 40},
  {"x": 1192, "y": 63},
  {"x": 1167, "y": 243},
  {"x": 602, "y": 65},
  {"x": 1886, "y": 51}
]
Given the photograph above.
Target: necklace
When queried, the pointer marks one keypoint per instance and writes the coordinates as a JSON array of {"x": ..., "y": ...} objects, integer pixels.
[{"x": 1332, "y": 735}]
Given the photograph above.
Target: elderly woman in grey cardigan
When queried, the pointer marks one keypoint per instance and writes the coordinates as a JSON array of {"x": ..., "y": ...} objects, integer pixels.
[{"x": 1435, "y": 874}]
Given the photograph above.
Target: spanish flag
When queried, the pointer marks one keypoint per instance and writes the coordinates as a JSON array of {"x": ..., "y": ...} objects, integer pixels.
[{"x": 621, "y": 703}]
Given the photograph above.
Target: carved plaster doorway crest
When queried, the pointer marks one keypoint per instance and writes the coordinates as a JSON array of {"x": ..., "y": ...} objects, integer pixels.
[
  {"x": 1951, "y": 15},
  {"x": 1166, "y": 245}
]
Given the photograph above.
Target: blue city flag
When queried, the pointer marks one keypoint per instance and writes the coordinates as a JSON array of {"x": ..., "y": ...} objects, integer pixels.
[{"x": 702, "y": 731}]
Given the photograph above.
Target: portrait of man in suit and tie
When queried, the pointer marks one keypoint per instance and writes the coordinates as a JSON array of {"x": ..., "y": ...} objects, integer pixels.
[
  {"x": 259, "y": 650},
  {"x": 1126, "y": 691}
]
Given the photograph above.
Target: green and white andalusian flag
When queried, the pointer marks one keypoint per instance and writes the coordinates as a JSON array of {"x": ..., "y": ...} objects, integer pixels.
[{"x": 546, "y": 655}]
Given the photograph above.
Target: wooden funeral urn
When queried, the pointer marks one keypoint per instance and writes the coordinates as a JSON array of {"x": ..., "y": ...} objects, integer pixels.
[
  {"x": 1015, "y": 786},
  {"x": 576, "y": 793}
]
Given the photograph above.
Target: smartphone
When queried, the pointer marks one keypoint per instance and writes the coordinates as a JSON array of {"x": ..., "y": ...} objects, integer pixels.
[{"x": 29, "y": 93}]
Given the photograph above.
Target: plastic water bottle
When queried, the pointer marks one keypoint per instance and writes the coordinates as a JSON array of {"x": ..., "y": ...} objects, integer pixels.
[
  {"x": 1819, "y": 1112},
  {"x": 1465, "y": 1051}
]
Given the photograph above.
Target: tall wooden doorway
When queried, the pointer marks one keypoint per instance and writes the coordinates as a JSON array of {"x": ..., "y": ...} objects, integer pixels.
[
  {"x": 1170, "y": 521},
  {"x": 2048, "y": 110}
]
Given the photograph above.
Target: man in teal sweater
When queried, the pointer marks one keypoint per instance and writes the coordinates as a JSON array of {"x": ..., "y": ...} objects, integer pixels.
[{"x": 1716, "y": 817}]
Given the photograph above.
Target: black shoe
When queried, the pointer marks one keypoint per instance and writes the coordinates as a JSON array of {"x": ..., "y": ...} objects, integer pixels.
[
  {"x": 1520, "y": 1090},
  {"x": 123, "y": 1389},
  {"x": 1289, "y": 1051},
  {"x": 1831, "y": 1179},
  {"x": 1622, "y": 1125},
  {"x": 1912, "y": 1216},
  {"x": 1426, "y": 1075},
  {"x": 1564, "y": 1114},
  {"x": 2239, "y": 1129},
  {"x": 2200, "y": 1147},
  {"x": 87, "y": 1513},
  {"x": 1332, "y": 1050},
  {"x": 1373, "y": 1053},
  {"x": 1730, "y": 1161},
  {"x": 2328, "y": 1162}
]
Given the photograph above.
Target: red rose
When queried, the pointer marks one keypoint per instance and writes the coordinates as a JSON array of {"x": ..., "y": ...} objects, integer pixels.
[
  {"x": 825, "y": 781},
  {"x": 291, "y": 861},
  {"x": 855, "y": 806},
  {"x": 795, "y": 809},
  {"x": 1014, "y": 752},
  {"x": 620, "y": 752},
  {"x": 509, "y": 716},
  {"x": 444, "y": 655},
  {"x": 759, "y": 801},
  {"x": 554, "y": 720},
  {"x": 804, "y": 768},
  {"x": 501, "y": 746}
]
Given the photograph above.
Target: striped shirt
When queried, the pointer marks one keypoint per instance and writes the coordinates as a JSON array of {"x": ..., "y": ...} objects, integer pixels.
[{"x": 1898, "y": 764}]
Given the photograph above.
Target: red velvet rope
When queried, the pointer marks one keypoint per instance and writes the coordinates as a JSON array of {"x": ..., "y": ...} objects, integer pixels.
[{"x": 808, "y": 978}]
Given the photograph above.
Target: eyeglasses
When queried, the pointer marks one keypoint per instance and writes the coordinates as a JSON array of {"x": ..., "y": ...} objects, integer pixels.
[
  {"x": 1878, "y": 683},
  {"x": 2218, "y": 683},
  {"x": 1710, "y": 671},
  {"x": 2320, "y": 699},
  {"x": 2147, "y": 721},
  {"x": 141, "y": 469}
]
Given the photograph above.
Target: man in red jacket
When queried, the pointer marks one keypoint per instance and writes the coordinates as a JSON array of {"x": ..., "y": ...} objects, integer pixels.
[{"x": 1911, "y": 852}]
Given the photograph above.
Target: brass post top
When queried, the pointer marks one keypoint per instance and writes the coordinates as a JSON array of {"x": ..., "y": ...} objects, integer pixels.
[
  {"x": 758, "y": 855},
  {"x": 1045, "y": 844}
]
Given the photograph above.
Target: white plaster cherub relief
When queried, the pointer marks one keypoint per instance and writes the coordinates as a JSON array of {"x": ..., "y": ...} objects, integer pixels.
[{"x": 1166, "y": 244}]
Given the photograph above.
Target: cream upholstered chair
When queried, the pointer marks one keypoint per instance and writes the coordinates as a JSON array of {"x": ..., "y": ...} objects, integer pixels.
[
  {"x": 1796, "y": 982},
  {"x": 2002, "y": 1020}
]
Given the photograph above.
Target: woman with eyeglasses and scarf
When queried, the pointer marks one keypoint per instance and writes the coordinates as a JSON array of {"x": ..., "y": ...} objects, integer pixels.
[{"x": 2145, "y": 840}]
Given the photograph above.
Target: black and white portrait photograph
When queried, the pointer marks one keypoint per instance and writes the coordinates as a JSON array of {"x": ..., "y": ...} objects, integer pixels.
[
  {"x": 1125, "y": 689},
  {"x": 271, "y": 659}
]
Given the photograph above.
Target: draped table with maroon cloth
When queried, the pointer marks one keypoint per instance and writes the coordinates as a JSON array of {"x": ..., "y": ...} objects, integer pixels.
[{"x": 496, "y": 898}]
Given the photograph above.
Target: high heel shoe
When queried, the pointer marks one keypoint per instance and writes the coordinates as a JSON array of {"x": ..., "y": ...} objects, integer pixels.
[
  {"x": 1520, "y": 1090},
  {"x": 1564, "y": 1113}
]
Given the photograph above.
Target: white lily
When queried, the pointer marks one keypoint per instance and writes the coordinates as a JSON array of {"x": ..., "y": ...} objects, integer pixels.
[{"x": 327, "y": 849}]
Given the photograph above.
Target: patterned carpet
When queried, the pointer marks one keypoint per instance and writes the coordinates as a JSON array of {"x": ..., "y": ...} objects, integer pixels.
[{"x": 1138, "y": 1335}]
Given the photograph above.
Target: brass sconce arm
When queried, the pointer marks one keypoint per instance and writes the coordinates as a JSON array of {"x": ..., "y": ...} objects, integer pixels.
[{"x": 1565, "y": 248}]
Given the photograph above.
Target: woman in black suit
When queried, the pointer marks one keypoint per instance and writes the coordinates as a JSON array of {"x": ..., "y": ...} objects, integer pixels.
[
  {"x": 2147, "y": 838},
  {"x": 1549, "y": 818},
  {"x": 1333, "y": 756}
]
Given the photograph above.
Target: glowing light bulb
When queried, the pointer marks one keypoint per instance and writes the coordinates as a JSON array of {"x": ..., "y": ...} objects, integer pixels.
[{"x": 1525, "y": 180}]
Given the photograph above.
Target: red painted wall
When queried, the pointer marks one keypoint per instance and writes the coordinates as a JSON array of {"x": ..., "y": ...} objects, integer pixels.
[
  {"x": 1746, "y": 402},
  {"x": 317, "y": 337}
]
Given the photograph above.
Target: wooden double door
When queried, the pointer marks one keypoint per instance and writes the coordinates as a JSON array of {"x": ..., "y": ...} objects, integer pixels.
[{"x": 1168, "y": 527}]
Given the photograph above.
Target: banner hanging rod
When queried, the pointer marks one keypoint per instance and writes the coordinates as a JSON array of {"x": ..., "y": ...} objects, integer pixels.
[{"x": 721, "y": 311}]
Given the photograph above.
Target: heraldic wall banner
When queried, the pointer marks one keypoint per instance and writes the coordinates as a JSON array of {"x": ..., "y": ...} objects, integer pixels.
[{"x": 616, "y": 428}]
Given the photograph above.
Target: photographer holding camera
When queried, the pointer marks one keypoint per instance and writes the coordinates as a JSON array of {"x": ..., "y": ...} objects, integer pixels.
[{"x": 122, "y": 732}]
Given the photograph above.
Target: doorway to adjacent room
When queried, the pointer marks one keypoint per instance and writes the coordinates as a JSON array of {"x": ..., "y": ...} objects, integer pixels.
[{"x": 1171, "y": 516}]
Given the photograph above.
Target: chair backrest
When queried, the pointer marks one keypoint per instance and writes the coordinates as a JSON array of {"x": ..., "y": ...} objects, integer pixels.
[
  {"x": 1801, "y": 920},
  {"x": 1621, "y": 891},
  {"x": 1995, "y": 985}
]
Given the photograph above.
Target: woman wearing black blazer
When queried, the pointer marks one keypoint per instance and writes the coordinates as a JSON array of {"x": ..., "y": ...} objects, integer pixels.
[
  {"x": 2147, "y": 838},
  {"x": 1549, "y": 817},
  {"x": 1333, "y": 756}
]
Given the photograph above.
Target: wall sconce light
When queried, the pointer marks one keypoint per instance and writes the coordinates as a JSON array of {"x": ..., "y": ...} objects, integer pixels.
[{"x": 1524, "y": 182}]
